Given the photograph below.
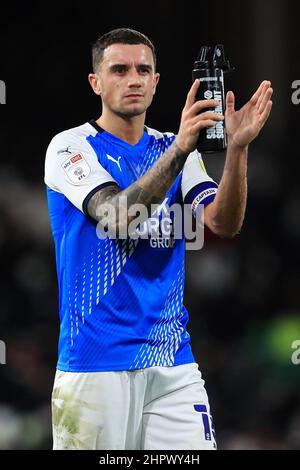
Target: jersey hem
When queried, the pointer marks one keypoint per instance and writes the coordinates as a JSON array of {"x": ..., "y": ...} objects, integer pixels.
[{"x": 113, "y": 368}]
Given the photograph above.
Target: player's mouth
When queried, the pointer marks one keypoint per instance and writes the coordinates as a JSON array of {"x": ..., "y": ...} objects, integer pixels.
[{"x": 134, "y": 95}]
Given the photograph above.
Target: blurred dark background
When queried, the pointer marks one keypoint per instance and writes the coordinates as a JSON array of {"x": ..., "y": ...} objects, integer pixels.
[{"x": 243, "y": 295}]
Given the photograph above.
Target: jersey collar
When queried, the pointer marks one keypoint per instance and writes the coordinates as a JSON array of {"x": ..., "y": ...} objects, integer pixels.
[{"x": 100, "y": 130}]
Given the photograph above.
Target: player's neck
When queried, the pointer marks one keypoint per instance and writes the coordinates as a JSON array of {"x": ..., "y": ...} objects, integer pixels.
[{"x": 130, "y": 130}]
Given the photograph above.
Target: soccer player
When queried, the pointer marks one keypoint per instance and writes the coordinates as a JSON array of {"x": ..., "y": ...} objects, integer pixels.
[{"x": 126, "y": 376}]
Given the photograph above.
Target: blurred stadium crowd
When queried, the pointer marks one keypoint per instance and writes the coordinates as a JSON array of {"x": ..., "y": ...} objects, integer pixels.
[{"x": 242, "y": 295}]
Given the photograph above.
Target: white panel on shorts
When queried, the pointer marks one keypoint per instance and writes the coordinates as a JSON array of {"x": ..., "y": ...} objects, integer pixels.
[{"x": 72, "y": 167}]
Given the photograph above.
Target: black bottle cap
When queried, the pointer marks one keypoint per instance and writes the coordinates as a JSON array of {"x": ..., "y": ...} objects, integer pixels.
[{"x": 212, "y": 58}]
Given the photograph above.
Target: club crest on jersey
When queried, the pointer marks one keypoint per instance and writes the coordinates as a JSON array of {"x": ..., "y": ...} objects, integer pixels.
[{"x": 76, "y": 168}]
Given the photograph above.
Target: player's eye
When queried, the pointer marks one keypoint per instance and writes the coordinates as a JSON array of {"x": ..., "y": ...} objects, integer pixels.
[
  {"x": 119, "y": 69},
  {"x": 144, "y": 70}
]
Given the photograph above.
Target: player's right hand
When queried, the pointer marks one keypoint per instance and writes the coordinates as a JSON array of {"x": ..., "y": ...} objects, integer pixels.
[{"x": 194, "y": 118}]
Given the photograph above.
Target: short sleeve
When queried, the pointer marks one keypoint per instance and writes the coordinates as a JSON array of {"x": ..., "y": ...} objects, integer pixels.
[
  {"x": 196, "y": 186},
  {"x": 72, "y": 168}
]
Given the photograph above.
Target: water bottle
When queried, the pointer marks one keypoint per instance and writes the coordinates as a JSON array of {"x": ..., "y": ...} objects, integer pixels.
[{"x": 209, "y": 68}]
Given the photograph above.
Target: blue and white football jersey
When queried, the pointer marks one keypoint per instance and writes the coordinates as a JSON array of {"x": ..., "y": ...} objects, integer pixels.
[{"x": 120, "y": 300}]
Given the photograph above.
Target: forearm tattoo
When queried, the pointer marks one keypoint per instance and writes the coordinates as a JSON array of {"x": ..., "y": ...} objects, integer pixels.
[{"x": 112, "y": 205}]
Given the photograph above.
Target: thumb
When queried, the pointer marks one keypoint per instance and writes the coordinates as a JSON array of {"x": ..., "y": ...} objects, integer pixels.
[{"x": 230, "y": 100}]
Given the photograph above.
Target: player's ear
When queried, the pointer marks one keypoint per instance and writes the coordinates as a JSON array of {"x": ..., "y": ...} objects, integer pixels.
[
  {"x": 155, "y": 81},
  {"x": 95, "y": 83}
]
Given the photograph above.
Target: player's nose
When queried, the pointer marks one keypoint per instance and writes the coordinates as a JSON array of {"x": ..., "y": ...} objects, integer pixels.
[{"x": 134, "y": 78}]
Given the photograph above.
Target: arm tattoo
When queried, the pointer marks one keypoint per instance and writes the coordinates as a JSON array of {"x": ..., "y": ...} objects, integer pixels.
[{"x": 148, "y": 190}]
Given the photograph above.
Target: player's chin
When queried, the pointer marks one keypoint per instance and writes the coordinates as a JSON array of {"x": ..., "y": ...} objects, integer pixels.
[{"x": 133, "y": 110}]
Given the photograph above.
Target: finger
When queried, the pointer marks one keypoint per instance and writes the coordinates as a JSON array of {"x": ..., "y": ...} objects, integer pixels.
[
  {"x": 256, "y": 95},
  {"x": 191, "y": 96},
  {"x": 266, "y": 113},
  {"x": 209, "y": 115},
  {"x": 266, "y": 98},
  {"x": 264, "y": 90},
  {"x": 230, "y": 101},
  {"x": 201, "y": 125},
  {"x": 203, "y": 104}
]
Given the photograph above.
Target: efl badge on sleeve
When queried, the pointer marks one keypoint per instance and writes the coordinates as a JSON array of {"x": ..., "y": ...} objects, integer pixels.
[{"x": 76, "y": 168}]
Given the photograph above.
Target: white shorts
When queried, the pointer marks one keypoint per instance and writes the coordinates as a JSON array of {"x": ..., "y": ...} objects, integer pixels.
[{"x": 155, "y": 408}]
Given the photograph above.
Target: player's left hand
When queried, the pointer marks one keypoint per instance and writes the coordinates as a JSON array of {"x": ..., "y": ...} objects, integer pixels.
[{"x": 244, "y": 125}]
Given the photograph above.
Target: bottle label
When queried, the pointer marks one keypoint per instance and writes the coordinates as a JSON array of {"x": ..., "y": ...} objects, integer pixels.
[
  {"x": 217, "y": 131},
  {"x": 209, "y": 79},
  {"x": 212, "y": 79}
]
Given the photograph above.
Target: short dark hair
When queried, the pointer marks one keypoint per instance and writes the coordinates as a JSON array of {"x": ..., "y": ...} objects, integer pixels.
[{"x": 120, "y": 35}]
